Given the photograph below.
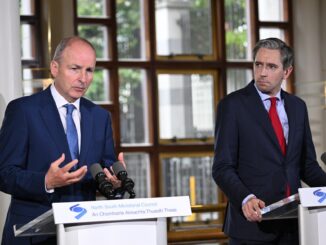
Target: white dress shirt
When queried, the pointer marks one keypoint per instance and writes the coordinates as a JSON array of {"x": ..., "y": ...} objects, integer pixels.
[{"x": 60, "y": 101}]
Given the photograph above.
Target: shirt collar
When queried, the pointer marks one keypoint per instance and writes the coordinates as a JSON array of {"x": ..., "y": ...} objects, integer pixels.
[
  {"x": 266, "y": 96},
  {"x": 60, "y": 101}
]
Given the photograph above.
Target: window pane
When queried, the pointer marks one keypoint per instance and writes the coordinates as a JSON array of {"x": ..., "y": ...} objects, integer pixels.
[
  {"x": 133, "y": 106},
  {"x": 271, "y": 10},
  {"x": 35, "y": 80},
  {"x": 99, "y": 89},
  {"x": 238, "y": 78},
  {"x": 186, "y": 106},
  {"x": 98, "y": 36},
  {"x": 138, "y": 169},
  {"x": 27, "y": 7},
  {"x": 190, "y": 176},
  {"x": 237, "y": 32},
  {"x": 27, "y": 33},
  {"x": 130, "y": 29},
  {"x": 91, "y": 8},
  {"x": 271, "y": 32},
  {"x": 183, "y": 27}
]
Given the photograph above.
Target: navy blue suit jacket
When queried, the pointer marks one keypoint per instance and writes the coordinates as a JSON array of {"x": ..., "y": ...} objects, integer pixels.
[
  {"x": 31, "y": 138},
  {"x": 248, "y": 158}
]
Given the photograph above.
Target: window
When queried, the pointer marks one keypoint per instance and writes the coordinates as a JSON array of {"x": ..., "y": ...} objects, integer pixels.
[
  {"x": 33, "y": 72},
  {"x": 167, "y": 63},
  {"x": 162, "y": 67},
  {"x": 186, "y": 105},
  {"x": 184, "y": 28}
]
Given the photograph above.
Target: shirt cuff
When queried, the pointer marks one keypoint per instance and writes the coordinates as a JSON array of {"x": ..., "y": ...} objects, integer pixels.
[
  {"x": 247, "y": 198},
  {"x": 48, "y": 190}
]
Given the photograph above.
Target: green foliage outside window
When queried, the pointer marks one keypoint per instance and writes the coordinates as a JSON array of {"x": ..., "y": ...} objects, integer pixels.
[
  {"x": 236, "y": 29},
  {"x": 90, "y": 8}
]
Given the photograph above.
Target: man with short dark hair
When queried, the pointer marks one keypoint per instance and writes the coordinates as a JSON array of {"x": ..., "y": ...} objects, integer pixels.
[{"x": 263, "y": 149}]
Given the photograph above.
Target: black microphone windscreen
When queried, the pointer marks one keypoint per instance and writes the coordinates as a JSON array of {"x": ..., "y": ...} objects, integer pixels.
[
  {"x": 118, "y": 167},
  {"x": 95, "y": 169},
  {"x": 323, "y": 157}
]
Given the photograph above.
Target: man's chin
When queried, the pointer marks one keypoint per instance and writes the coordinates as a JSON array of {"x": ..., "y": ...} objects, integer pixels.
[
  {"x": 76, "y": 96},
  {"x": 263, "y": 89}
]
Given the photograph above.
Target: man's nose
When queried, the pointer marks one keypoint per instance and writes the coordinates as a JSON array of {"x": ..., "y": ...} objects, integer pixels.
[
  {"x": 264, "y": 71},
  {"x": 83, "y": 76}
]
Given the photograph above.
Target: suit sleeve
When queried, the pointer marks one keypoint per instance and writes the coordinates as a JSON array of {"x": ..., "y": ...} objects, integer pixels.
[
  {"x": 226, "y": 154},
  {"x": 311, "y": 173},
  {"x": 15, "y": 178},
  {"x": 109, "y": 153}
]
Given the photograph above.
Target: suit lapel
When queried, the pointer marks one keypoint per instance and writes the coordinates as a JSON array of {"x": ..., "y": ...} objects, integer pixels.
[
  {"x": 256, "y": 107},
  {"x": 86, "y": 130},
  {"x": 52, "y": 121}
]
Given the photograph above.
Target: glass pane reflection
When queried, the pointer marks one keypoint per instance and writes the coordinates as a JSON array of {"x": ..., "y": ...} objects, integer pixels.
[
  {"x": 133, "y": 106},
  {"x": 190, "y": 176},
  {"x": 99, "y": 89},
  {"x": 138, "y": 169},
  {"x": 237, "y": 79},
  {"x": 130, "y": 29},
  {"x": 183, "y": 27},
  {"x": 27, "y": 41},
  {"x": 91, "y": 8},
  {"x": 237, "y": 30},
  {"x": 27, "y": 7},
  {"x": 271, "y": 10},
  {"x": 98, "y": 36},
  {"x": 271, "y": 32},
  {"x": 186, "y": 106}
]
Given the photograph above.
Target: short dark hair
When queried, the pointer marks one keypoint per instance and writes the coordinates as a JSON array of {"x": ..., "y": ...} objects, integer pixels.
[
  {"x": 65, "y": 42},
  {"x": 287, "y": 55}
]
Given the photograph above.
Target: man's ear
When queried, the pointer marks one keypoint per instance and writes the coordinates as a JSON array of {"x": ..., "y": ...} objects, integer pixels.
[
  {"x": 54, "y": 67},
  {"x": 287, "y": 72}
]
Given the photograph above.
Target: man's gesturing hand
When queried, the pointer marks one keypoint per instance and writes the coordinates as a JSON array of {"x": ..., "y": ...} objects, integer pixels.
[{"x": 58, "y": 177}]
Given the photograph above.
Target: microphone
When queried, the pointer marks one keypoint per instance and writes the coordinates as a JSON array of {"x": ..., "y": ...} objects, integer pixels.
[
  {"x": 104, "y": 186},
  {"x": 126, "y": 183},
  {"x": 323, "y": 157}
]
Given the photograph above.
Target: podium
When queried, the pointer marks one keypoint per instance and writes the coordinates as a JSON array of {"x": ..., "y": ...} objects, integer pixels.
[
  {"x": 128, "y": 221},
  {"x": 312, "y": 216},
  {"x": 286, "y": 208}
]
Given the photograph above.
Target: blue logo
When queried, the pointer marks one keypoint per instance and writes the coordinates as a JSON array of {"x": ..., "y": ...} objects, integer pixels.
[
  {"x": 80, "y": 210},
  {"x": 320, "y": 194}
]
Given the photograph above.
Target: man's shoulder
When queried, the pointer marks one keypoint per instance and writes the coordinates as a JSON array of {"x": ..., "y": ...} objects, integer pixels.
[
  {"x": 91, "y": 106},
  {"x": 29, "y": 99},
  {"x": 288, "y": 97},
  {"x": 240, "y": 94}
]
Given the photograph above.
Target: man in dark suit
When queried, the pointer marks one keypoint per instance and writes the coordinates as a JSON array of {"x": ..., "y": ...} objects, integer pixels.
[
  {"x": 36, "y": 164},
  {"x": 252, "y": 165}
]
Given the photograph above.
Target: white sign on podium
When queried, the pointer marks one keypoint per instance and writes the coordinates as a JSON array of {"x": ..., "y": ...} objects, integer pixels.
[
  {"x": 312, "y": 216},
  {"x": 126, "y": 221}
]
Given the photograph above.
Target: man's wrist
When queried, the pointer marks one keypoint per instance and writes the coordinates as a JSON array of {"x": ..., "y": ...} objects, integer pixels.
[
  {"x": 247, "y": 198},
  {"x": 48, "y": 190}
]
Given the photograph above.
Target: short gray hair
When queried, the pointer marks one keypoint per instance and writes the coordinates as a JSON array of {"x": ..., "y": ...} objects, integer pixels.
[
  {"x": 287, "y": 55},
  {"x": 65, "y": 42}
]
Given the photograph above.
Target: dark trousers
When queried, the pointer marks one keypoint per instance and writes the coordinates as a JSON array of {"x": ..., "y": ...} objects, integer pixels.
[{"x": 282, "y": 239}]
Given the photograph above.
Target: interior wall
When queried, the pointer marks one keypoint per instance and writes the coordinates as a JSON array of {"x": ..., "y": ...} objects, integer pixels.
[
  {"x": 309, "y": 39},
  {"x": 10, "y": 72},
  {"x": 57, "y": 23}
]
